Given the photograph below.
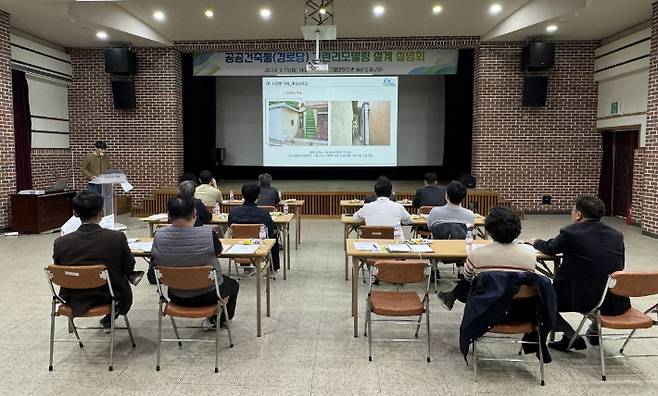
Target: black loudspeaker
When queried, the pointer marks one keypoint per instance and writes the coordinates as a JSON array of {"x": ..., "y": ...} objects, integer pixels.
[
  {"x": 121, "y": 61},
  {"x": 538, "y": 55},
  {"x": 123, "y": 92},
  {"x": 534, "y": 91}
]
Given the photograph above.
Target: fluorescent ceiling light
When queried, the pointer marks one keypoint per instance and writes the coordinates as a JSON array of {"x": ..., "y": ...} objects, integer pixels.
[
  {"x": 437, "y": 9},
  {"x": 265, "y": 13},
  {"x": 101, "y": 35},
  {"x": 159, "y": 16},
  {"x": 551, "y": 28},
  {"x": 495, "y": 9},
  {"x": 209, "y": 13},
  {"x": 378, "y": 10}
]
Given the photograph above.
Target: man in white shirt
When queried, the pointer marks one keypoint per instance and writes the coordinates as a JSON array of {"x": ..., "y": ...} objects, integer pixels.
[
  {"x": 383, "y": 211},
  {"x": 452, "y": 211}
]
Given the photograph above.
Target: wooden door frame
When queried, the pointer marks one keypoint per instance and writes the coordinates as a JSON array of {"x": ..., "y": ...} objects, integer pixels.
[{"x": 614, "y": 130}]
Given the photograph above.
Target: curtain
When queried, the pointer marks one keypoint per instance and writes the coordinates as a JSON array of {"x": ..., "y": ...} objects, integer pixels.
[{"x": 22, "y": 130}]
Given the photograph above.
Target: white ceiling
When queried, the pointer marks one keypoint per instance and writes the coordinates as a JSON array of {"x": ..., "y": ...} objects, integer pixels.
[{"x": 74, "y": 24}]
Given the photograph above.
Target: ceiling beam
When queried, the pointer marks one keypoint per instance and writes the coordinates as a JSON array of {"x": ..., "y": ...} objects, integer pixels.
[
  {"x": 116, "y": 18},
  {"x": 533, "y": 13}
]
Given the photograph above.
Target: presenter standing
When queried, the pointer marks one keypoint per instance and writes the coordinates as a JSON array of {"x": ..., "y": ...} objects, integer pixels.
[{"x": 96, "y": 163}]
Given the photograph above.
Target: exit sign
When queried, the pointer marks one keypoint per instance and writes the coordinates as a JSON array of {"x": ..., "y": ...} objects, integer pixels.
[{"x": 614, "y": 107}]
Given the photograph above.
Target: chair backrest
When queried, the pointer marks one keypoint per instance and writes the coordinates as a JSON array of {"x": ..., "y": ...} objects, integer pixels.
[
  {"x": 525, "y": 291},
  {"x": 245, "y": 230},
  {"x": 376, "y": 232},
  {"x": 186, "y": 278},
  {"x": 401, "y": 272},
  {"x": 78, "y": 276},
  {"x": 634, "y": 284},
  {"x": 269, "y": 209},
  {"x": 449, "y": 231},
  {"x": 425, "y": 210}
]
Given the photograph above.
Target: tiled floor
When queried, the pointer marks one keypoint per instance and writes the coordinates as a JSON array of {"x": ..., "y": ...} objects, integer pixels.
[{"x": 307, "y": 346}]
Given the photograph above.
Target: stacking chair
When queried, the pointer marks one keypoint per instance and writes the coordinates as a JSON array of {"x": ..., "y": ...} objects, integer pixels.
[
  {"x": 424, "y": 233},
  {"x": 246, "y": 231},
  {"x": 189, "y": 278},
  {"x": 513, "y": 328},
  {"x": 398, "y": 303},
  {"x": 627, "y": 284},
  {"x": 82, "y": 277},
  {"x": 373, "y": 232}
]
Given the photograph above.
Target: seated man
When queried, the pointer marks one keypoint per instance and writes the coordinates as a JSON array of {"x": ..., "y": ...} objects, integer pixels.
[
  {"x": 430, "y": 195},
  {"x": 452, "y": 212},
  {"x": 187, "y": 188},
  {"x": 269, "y": 196},
  {"x": 207, "y": 191},
  {"x": 383, "y": 211},
  {"x": 502, "y": 254},
  {"x": 183, "y": 245},
  {"x": 590, "y": 251},
  {"x": 91, "y": 244},
  {"x": 373, "y": 197},
  {"x": 249, "y": 213}
]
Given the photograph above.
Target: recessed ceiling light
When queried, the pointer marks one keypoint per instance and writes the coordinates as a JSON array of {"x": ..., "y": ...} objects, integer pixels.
[
  {"x": 209, "y": 13},
  {"x": 437, "y": 9},
  {"x": 322, "y": 11},
  {"x": 378, "y": 10},
  {"x": 101, "y": 35},
  {"x": 159, "y": 16},
  {"x": 265, "y": 13},
  {"x": 551, "y": 28},
  {"x": 495, "y": 9}
]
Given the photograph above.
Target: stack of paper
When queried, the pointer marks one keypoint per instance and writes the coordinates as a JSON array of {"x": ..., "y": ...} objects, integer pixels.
[
  {"x": 399, "y": 248},
  {"x": 242, "y": 249},
  {"x": 143, "y": 246},
  {"x": 367, "y": 246},
  {"x": 421, "y": 249}
]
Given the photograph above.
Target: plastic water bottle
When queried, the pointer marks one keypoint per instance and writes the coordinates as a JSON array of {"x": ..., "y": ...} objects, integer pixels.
[
  {"x": 469, "y": 240},
  {"x": 280, "y": 196},
  {"x": 262, "y": 235},
  {"x": 397, "y": 234},
  {"x": 285, "y": 207},
  {"x": 231, "y": 196},
  {"x": 218, "y": 209}
]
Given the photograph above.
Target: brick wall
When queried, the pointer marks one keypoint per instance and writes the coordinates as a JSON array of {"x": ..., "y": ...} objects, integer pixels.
[
  {"x": 523, "y": 152},
  {"x": 7, "y": 152},
  {"x": 50, "y": 165},
  {"x": 650, "y": 183},
  {"x": 146, "y": 143}
]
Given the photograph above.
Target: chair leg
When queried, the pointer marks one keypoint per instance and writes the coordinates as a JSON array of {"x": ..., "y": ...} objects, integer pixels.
[
  {"x": 228, "y": 325},
  {"x": 435, "y": 269},
  {"x": 130, "y": 330},
  {"x": 368, "y": 319},
  {"x": 216, "y": 347},
  {"x": 427, "y": 320},
  {"x": 365, "y": 321},
  {"x": 75, "y": 331},
  {"x": 541, "y": 358},
  {"x": 112, "y": 337},
  {"x": 580, "y": 326},
  {"x": 475, "y": 361},
  {"x": 229, "y": 267},
  {"x": 173, "y": 324},
  {"x": 626, "y": 342},
  {"x": 420, "y": 319},
  {"x": 601, "y": 350},
  {"x": 157, "y": 362},
  {"x": 52, "y": 336}
]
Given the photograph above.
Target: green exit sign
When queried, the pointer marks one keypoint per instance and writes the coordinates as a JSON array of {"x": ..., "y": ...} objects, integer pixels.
[{"x": 614, "y": 107}]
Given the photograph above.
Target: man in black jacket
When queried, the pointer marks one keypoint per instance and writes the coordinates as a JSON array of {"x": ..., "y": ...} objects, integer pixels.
[
  {"x": 268, "y": 196},
  {"x": 91, "y": 244},
  {"x": 430, "y": 195},
  {"x": 249, "y": 213},
  {"x": 591, "y": 251}
]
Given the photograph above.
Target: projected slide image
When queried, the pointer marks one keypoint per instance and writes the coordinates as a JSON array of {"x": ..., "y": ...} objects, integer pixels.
[
  {"x": 296, "y": 123},
  {"x": 360, "y": 123}
]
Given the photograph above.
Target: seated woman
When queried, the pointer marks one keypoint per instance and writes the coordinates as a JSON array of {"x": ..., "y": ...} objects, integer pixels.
[{"x": 502, "y": 254}]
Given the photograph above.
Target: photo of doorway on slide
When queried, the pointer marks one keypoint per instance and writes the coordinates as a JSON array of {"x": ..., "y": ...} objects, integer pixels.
[
  {"x": 360, "y": 123},
  {"x": 298, "y": 123}
]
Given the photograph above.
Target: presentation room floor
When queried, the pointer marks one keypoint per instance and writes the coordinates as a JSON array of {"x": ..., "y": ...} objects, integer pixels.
[{"x": 307, "y": 346}]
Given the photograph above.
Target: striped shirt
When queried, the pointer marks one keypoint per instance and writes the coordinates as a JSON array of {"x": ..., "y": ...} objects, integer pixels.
[{"x": 499, "y": 257}]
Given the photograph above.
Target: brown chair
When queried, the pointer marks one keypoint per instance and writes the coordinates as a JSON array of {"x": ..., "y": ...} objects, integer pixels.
[
  {"x": 424, "y": 232},
  {"x": 243, "y": 231},
  {"x": 626, "y": 284},
  {"x": 373, "y": 232},
  {"x": 398, "y": 303},
  {"x": 189, "y": 278},
  {"x": 82, "y": 277},
  {"x": 513, "y": 328}
]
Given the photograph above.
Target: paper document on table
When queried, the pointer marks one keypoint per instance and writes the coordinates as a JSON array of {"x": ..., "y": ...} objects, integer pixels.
[
  {"x": 399, "y": 248},
  {"x": 421, "y": 249},
  {"x": 126, "y": 186},
  {"x": 71, "y": 225},
  {"x": 242, "y": 249},
  {"x": 107, "y": 222},
  {"x": 367, "y": 246},
  {"x": 144, "y": 246},
  {"x": 159, "y": 216}
]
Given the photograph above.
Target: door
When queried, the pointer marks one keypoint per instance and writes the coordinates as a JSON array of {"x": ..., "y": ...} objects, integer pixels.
[{"x": 616, "y": 183}]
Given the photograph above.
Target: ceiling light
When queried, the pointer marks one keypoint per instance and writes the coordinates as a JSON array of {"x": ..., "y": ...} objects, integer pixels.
[
  {"x": 265, "y": 13},
  {"x": 159, "y": 16},
  {"x": 551, "y": 28},
  {"x": 209, "y": 13},
  {"x": 322, "y": 11},
  {"x": 495, "y": 9},
  {"x": 437, "y": 9},
  {"x": 378, "y": 10},
  {"x": 101, "y": 35}
]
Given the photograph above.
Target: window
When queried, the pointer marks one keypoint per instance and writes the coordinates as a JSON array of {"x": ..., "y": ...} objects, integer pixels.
[{"x": 292, "y": 122}]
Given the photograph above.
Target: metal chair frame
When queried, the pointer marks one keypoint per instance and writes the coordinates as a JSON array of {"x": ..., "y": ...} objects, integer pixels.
[
  {"x": 57, "y": 301},
  {"x": 595, "y": 314},
  {"x": 363, "y": 263},
  {"x": 212, "y": 275},
  {"x": 268, "y": 259},
  {"x": 367, "y": 331}
]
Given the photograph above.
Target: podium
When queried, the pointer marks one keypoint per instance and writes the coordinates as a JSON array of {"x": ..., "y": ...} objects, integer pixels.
[{"x": 107, "y": 182}]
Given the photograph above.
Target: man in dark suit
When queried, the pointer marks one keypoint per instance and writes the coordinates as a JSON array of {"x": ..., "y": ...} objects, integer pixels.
[
  {"x": 91, "y": 244},
  {"x": 591, "y": 251},
  {"x": 249, "y": 213},
  {"x": 269, "y": 196},
  {"x": 430, "y": 195}
]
